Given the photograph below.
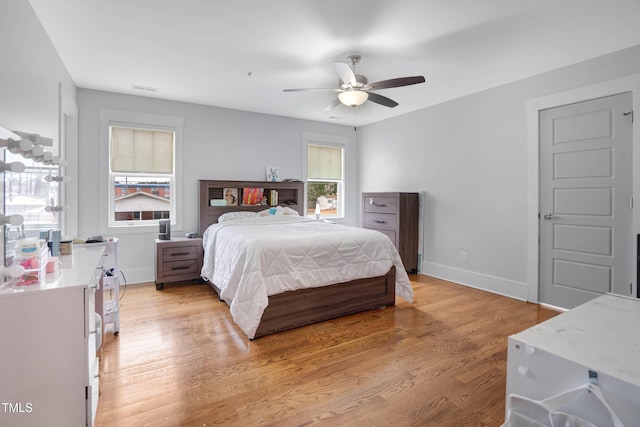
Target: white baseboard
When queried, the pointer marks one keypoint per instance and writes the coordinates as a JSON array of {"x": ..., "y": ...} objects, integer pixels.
[
  {"x": 496, "y": 285},
  {"x": 138, "y": 275}
]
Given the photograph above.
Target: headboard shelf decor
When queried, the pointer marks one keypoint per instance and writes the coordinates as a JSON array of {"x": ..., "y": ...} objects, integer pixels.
[{"x": 219, "y": 197}]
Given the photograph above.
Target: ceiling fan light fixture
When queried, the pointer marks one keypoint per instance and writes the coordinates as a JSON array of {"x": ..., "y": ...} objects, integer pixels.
[{"x": 353, "y": 98}]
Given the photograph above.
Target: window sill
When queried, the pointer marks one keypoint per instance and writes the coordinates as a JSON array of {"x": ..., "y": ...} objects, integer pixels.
[{"x": 142, "y": 229}]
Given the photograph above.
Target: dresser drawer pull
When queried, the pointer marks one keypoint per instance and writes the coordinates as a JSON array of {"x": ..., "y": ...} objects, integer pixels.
[
  {"x": 180, "y": 254},
  {"x": 380, "y": 221},
  {"x": 379, "y": 205}
]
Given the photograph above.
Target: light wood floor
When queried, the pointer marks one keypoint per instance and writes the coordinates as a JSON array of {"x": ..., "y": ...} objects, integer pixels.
[{"x": 179, "y": 360}]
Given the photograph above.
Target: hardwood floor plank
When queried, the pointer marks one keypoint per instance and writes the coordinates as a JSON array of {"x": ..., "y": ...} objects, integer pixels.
[{"x": 179, "y": 360}]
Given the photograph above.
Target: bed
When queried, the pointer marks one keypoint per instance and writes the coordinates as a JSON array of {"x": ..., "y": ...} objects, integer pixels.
[{"x": 279, "y": 270}]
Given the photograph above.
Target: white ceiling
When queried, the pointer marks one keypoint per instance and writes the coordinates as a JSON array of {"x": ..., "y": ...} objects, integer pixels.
[{"x": 241, "y": 54}]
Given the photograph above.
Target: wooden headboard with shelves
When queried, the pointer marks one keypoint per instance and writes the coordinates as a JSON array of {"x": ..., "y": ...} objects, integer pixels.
[{"x": 289, "y": 194}]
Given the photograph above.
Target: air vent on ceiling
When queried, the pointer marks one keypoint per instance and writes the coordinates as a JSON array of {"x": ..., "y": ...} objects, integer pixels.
[{"x": 145, "y": 88}]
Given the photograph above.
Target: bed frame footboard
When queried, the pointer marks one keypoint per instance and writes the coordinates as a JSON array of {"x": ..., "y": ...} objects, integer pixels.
[
  {"x": 307, "y": 306},
  {"x": 303, "y": 307}
]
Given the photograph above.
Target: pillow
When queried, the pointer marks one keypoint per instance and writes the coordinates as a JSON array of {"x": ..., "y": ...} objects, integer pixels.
[
  {"x": 279, "y": 210},
  {"x": 232, "y": 216},
  {"x": 288, "y": 211}
]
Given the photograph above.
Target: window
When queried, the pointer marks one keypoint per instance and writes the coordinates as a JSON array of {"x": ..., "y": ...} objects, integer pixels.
[
  {"x": 141, "y": 175},
  {"x": 325, "y": 179},
  {"x": 149, "y": 157}
]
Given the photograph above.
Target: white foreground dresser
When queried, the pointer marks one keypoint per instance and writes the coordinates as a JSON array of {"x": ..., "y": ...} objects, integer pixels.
[
  {"x": 48, "y": 363},
  {"x": 555, "y": 356}
]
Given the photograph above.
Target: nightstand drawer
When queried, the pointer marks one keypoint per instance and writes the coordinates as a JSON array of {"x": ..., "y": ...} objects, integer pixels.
[
  {"x": 380, "y": 220},
  {"x": 172, "y": 268},
  {"x": 380, "y": 204},
  {"x": 180, "y": 253}
]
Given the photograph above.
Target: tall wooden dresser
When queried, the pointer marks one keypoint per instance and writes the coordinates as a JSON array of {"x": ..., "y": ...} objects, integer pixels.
[{"x": 396, "y": 215}]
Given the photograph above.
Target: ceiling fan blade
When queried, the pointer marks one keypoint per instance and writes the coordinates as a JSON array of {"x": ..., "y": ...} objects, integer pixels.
[
  {"x": 400, "y": 81},
  {"x": 382, "y": 100},
  {"x": 332, "y": 105},
  {"x": 345, "y": 72},
  {"x": 313, "y": 89}
]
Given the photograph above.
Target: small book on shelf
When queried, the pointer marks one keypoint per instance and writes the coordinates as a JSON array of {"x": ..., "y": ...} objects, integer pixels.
[{"x": 273, "y": 197}]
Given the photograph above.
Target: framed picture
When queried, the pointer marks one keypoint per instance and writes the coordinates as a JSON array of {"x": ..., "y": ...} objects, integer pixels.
[
  {"x": 252, "y": 196},
  {"x": 272, "y": 174},
  {"x": 231, "y": 196}
]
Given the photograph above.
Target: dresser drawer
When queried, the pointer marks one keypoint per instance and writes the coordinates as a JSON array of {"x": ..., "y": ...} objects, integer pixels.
[
  {"x": 380, "y": 221},
  {"x": 380, "y": 204},
  {"x": 179, "y": 253},
  {"x": 173, "y": 268}
]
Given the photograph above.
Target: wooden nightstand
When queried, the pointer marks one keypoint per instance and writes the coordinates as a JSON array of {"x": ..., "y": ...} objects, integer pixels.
[{"x": 177, "y": 260}]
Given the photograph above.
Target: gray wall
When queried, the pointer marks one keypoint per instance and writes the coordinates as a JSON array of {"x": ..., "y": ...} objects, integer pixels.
[
  {"x": 470, "y": 157},
  {"x": 218, "y": 144}
]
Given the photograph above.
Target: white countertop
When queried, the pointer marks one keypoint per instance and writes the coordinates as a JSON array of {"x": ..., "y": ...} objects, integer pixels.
[
  {"x": 603, "y": 335},
  {"x": 77, "y": 269}
]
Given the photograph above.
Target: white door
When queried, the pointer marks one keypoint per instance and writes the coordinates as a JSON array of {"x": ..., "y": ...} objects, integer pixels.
[{"x": 585, "y": 200}]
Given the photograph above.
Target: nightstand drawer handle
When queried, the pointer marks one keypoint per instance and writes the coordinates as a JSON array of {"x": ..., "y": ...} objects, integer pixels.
[
  {"x": 380, "y": 221},
  {"x": 181, "y": 268},
  {"x": 180, "y": 254}
]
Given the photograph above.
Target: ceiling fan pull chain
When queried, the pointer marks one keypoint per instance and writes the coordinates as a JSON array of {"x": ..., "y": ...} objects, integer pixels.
[{"x": 355, "y": 117}]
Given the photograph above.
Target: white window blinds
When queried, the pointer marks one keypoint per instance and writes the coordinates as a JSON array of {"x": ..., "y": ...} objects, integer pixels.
[
  {"x": 141, "y": 150},
  {"x": 324, "y": 162}
]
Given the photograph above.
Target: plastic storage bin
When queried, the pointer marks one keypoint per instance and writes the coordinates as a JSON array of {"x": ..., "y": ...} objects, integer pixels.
[{"x": 35, "y": 266}]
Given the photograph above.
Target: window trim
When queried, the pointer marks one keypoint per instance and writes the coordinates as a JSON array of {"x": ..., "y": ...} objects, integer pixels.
[
  {"x": 309, "y": 138},
  {"x": 110, "y": 118}
]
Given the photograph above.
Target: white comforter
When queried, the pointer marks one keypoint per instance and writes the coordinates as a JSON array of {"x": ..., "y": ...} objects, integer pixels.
[{"x": 250, "y": 259}]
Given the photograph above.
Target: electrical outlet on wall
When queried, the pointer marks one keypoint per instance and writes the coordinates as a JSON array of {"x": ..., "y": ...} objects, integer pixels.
[{"x": 463, "y": 257}]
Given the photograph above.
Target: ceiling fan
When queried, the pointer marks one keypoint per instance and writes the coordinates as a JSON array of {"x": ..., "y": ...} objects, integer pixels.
[{"x": 354, "y": 89}]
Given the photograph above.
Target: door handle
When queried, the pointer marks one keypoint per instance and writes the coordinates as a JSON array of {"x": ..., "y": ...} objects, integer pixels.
[{"x": 549, "y": 217}]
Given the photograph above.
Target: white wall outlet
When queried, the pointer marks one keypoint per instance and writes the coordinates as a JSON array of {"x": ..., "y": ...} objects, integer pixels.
[{"x": 463, "y": 257}]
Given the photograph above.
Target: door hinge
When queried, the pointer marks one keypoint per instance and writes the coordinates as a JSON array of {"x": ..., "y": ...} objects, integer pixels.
[
  {"x": 630, "y": 288},
  {"x": 630, "y": 202},
  {"x": 629, "y": 113}
]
